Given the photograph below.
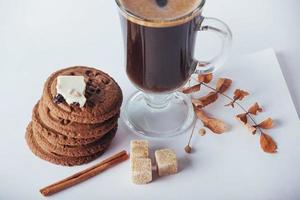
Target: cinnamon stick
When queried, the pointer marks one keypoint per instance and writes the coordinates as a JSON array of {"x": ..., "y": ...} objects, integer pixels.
[{"x": 85, "y": 174}]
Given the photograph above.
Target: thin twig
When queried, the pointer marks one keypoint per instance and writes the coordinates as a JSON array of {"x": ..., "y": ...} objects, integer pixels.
[
  {"x": 266, "y": 142},
  {"x": 192, "y": 133}
]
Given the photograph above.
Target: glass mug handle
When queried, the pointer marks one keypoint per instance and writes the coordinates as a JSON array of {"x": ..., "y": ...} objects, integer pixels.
[{"x": 219, "y": 28}]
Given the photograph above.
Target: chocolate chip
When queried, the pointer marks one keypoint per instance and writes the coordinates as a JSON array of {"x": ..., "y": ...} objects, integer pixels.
[
  {"x": 98, "y": 91},
  {"x": 58, "y": 99},
  {"x": 90, "y": 103},
  {"x": 75, "y": 104},
  {"x": 89, "y": 73},
  {"x": 162, "y": 3},
  {"x": 75, "y": 107},
  {"x": 88, "y": 95},
  {"x": 105, "y": 81},
  {"x": 91, "y": 89},
  {"x": 89, "y": 81}
]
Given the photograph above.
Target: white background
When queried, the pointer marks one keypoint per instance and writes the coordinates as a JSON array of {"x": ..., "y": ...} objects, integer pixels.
[{"x": 38, "y": 37}]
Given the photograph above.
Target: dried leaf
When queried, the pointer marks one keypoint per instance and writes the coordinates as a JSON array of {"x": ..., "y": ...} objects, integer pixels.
[
  {"x": 240, "y": 94},
  {"x": 267, "y": 143},
  {"x": 192, "y": 89},
  {"x": 242, "y": 117},
  {"x": 215, "y": 125},
  {"x": 223, "y": 84},
  {"x": 254, "y": 109},
  {"x": 206, "y": 78},
  {"x": 266, "y": 124},
  {"x": 205, "y": 100},
  {"x": 188, "y": 149}
]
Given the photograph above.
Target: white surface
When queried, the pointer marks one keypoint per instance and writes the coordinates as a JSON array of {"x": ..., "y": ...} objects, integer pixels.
[{"x": 38, "y": 37}]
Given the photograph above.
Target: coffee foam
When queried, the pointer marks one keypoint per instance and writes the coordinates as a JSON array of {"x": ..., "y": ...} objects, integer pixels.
[{"x": 156, "y": 15}]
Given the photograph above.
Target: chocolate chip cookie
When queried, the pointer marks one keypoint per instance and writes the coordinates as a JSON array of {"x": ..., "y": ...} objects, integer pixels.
[
  {"x": 103, "y": 94},
  {"x": 53, "y": 157}
]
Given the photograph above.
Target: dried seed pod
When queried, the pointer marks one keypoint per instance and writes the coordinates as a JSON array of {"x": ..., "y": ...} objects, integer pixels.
[
  {"x": 202, "y": 131},
  {"x": 188, "y": 149}
]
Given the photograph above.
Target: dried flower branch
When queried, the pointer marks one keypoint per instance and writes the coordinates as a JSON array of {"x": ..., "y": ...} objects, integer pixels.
[
  {"x": 266, "y": 142},
  {"x": 218, "y": 126}
]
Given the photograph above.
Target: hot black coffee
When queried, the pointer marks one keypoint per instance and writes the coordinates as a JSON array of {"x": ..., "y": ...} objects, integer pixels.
[{"x": 160, "y": 55}]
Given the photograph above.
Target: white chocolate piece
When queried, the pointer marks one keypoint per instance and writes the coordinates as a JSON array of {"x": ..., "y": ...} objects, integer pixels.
[
  {"x": 72, "y": 88},
  {"x": 166, "y": 162},
  {"x": 139, "y": 149},
  {"x": 141, "y": 170}
]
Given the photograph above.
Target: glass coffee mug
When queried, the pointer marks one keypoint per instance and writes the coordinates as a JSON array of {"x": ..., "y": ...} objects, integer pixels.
[{"x": 159, "y": 37}]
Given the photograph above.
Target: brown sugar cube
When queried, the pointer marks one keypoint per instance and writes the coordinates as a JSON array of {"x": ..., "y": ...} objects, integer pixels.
[
  {"x": 139, "y": 149},
  {"x": 141, "y": 170},
  {"x": 166, "y": 162}
]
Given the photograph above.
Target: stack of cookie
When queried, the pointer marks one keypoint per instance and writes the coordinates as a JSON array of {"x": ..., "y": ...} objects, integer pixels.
[{"x": 70, "y": 134}]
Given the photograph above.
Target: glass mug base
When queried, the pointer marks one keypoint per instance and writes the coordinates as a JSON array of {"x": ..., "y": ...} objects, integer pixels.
[{"x": 158, "y": 116}]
